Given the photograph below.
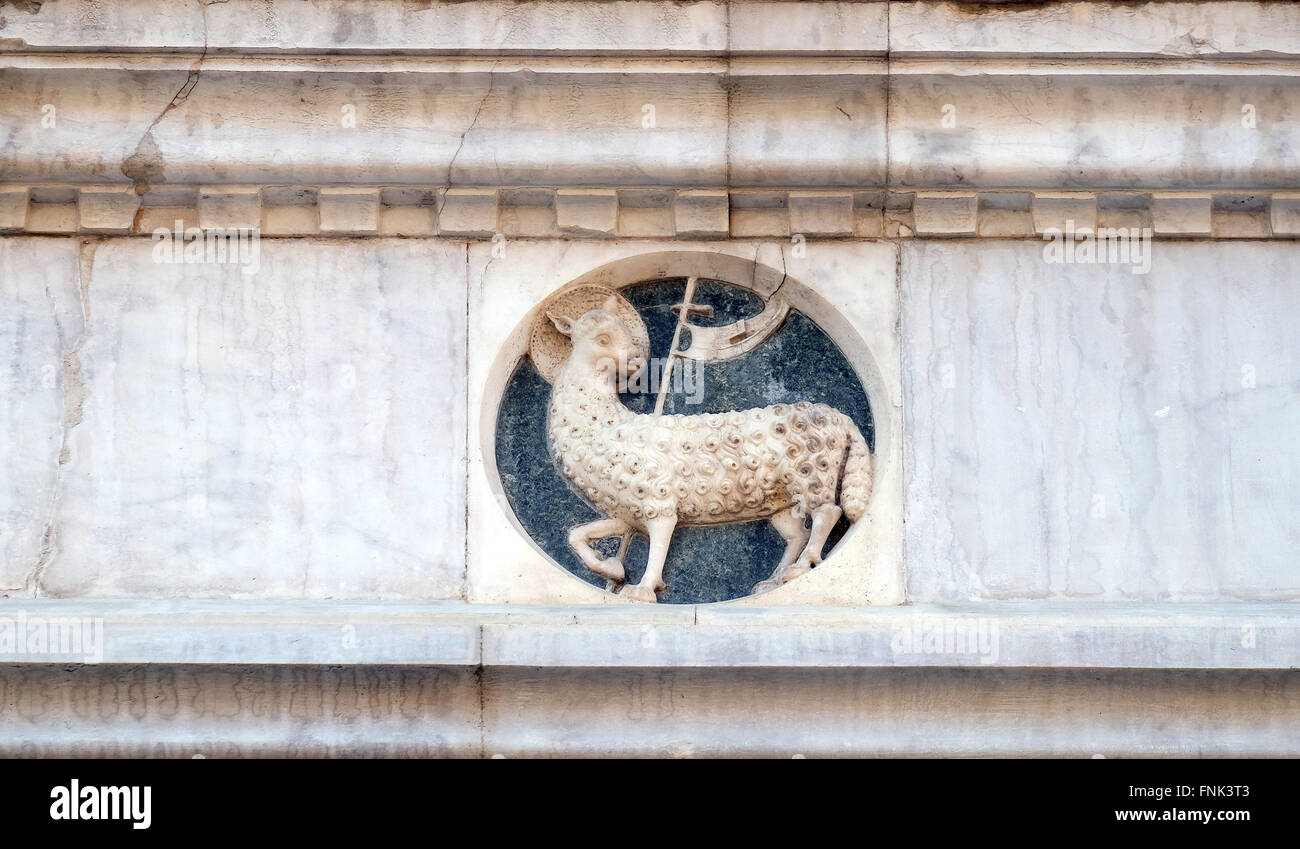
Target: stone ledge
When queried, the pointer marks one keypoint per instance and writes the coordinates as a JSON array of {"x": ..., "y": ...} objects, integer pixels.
[
  {"x": 487, "y": 27},
  {"x": 390, "y": 711},
  {"x": 638, "y": 27},
  {"x": 594, "y": 213},
  {"x": 1163, "y": 30},
  {"x": 993, "y": 635}
]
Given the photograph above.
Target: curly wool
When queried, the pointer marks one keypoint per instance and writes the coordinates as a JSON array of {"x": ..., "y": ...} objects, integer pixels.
[{"x": 712, "y": 468}]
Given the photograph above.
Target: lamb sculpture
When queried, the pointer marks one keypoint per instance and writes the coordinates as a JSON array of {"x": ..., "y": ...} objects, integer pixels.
[{"x": 650, "y": 474}]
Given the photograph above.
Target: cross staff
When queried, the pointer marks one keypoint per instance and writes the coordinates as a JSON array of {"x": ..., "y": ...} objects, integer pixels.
[{"x": 684, "y": 311}]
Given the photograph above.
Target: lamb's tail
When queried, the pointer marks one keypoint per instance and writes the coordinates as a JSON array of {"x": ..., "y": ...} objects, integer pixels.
[{"x": 855, "y": 484}]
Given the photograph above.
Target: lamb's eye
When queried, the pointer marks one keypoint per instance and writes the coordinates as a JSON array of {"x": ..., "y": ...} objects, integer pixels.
[{"x": 602, "y": 340}]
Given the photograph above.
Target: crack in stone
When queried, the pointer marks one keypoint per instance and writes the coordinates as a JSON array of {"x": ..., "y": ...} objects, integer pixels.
[
  {"x": 451, "y": 164},
  {"x": 460, "y": 145},
  {"x": 753, "y": 276},
  {"x": 784, "y": 276},
  {"x": 492, "y": 81},
  {"x": 145, "y": 165},
  {"x": 74, "y": 401}
]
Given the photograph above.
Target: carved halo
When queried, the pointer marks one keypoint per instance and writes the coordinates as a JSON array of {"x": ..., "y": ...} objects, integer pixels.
[{"x": 549, "y": 348}]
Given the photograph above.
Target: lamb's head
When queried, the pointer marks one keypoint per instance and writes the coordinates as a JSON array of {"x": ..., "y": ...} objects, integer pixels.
[{"x": 602, "y": 342}]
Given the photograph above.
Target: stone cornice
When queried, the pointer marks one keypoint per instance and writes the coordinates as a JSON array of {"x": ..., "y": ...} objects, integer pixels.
[
  {"x": 914, "y": 97},
  {"x": 1029, "y": 634},
  {"x": 672, "y": 124},
  {"x": 639, "y": 212}
]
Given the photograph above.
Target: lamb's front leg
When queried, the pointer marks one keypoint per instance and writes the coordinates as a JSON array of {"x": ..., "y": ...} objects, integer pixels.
[
  {"x": 581, "y": 538},
  {"x": 660, "y": 531}
]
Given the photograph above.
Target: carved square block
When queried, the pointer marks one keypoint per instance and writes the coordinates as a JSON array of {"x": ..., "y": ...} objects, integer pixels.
[
  {"x": 701, "y": 214},
  {"x": 1284, "y": 213},
  {"x": 821, "y": 214},
  {"x": 945, "y": 213},
  {"x": 107, "y": 209},
  {"x": 1058, "y": 209},
  {"x": 13, "y": 208},
  {"x": 230, "y": 207},
  {"x": 468, "y": 212},
  {"x": 590, "y": 212},
  {"x": 845, "y": 290},
  {"x": 53, "y": 209},
  {"x": 349, "y": 210},
  {"x": 1181, "y": 215},
  {"x": 757, "y": 214}
]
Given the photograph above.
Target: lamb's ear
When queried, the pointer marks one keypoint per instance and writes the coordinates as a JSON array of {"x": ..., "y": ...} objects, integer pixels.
[
  {"x": 562, "y": 323},
  {"x": 611, "y": 304}
]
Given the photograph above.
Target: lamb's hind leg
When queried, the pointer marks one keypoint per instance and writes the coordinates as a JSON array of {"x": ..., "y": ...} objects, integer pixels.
[
  {"x": 581, "y": 538},
  {"x": 823, "y": 521},
  {"x": 792, "y": 530}
]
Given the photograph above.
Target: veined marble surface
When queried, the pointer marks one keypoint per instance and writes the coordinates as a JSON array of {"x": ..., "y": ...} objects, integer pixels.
[
  {"x": 290, "y": 433},
  {"x": 1071, "y": 431},
  {"x": 40, "y": 322},
  {"x": 1080, "y": 431}
]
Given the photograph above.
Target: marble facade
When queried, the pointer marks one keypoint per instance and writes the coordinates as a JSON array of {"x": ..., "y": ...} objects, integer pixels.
[{"x": 272, "y": 479}]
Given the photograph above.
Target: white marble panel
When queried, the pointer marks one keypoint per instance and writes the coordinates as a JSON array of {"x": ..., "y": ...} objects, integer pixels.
[
  {"x": 1081, "y": 431},
  {"x": 41, "y": 323},
  {"x": 293, "y": 433}
]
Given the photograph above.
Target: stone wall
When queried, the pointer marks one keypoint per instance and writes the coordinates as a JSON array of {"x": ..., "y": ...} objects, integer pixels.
[{"x": 272, "y": 480}]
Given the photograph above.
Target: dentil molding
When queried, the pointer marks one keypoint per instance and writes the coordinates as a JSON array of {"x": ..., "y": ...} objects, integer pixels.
[{"x": 487, "y": 212}]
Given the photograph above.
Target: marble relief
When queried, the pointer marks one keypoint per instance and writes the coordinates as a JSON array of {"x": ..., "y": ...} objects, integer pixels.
[{"x": 805, "y": 468}]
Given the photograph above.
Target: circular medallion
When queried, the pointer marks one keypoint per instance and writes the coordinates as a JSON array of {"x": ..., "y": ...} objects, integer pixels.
[{"x": 608, "y": 473}]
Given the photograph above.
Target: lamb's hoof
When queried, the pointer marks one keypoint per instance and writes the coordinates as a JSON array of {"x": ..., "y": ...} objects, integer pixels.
[
  {"x": 764, "y": 586},
  {"x": 636, "y": 592},
  {"x": 611, "y": 568},
  {"x": 795, "y": 569}
]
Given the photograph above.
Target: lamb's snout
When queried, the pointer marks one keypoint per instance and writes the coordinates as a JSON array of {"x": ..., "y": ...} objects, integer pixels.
[{"x": 621, "y": 366}]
